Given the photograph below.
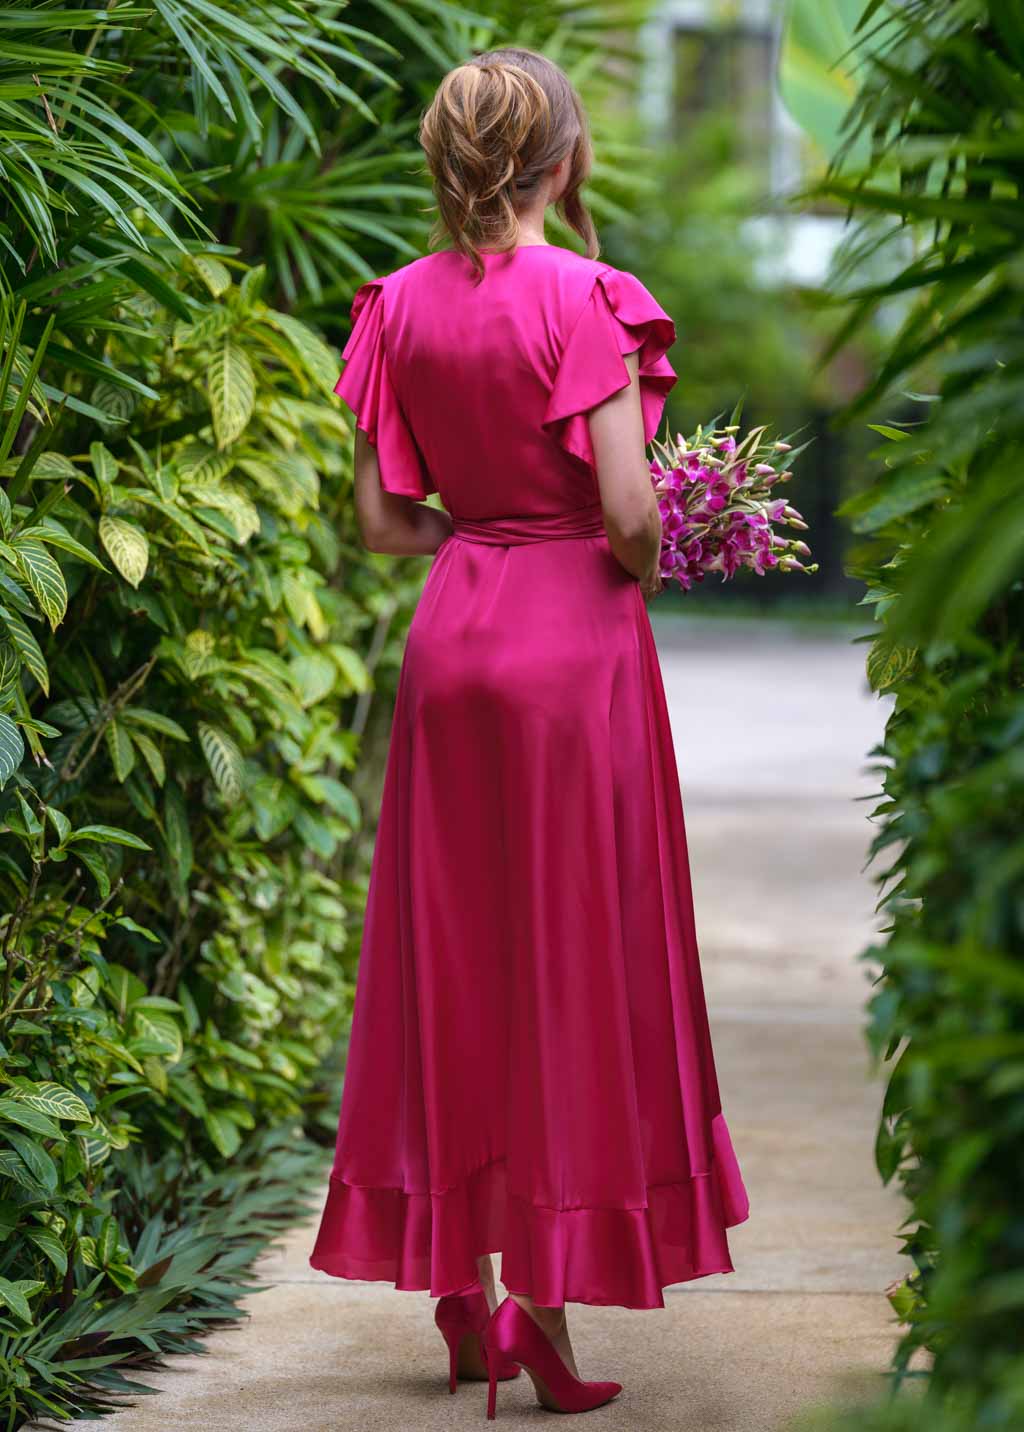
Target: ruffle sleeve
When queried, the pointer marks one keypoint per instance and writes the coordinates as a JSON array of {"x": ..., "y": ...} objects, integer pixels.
[
  {"x": 620, "y": 316},
  {"x": 366, "y": 387}
]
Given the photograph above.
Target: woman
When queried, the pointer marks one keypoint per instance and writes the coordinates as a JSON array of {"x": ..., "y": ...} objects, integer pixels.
[{"x": 530, "y": 1069}]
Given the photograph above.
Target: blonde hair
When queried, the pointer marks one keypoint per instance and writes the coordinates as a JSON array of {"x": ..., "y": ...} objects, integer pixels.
[{"x": 495, "y": 126}]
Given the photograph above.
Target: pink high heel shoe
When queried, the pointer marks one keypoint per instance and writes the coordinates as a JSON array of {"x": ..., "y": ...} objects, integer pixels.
[
  {"x": 461, "y": 1318},
  {"x": 511, "y": 1333}
]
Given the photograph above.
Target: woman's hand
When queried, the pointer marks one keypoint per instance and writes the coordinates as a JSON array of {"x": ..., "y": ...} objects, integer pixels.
[{"x": 651, "y": 583}]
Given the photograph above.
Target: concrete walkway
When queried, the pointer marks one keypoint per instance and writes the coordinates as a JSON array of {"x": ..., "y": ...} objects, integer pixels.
[{"x": 771, "y": 727}]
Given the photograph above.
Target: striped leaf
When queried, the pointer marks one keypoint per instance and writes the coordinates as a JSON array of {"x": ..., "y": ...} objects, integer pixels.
[
  {"x": 316, "y": 357},
  {"x": 29, "y": 1118},
  {"x": 116, "y": 402},
  {"x": 224, "y": 759},
  {"x": 52, "y": 1099},
  {"x": 12, "y": 749},
  {"x": 45, "y": 578},
  {"x": 200, "y": 657},
  {"x": 231, "y": 386},
  {"x": 26, "y": 646},
  {"x": 214, "y": 274},
  {"x": 10, "y": 667},
  {"x": 128, "y": 547},
  {"x": 202, "y": 464},
  {"x": 51, "y": 466},
  {"x": 159, "y": 1031},
  {"x": 240, "y": 510}
]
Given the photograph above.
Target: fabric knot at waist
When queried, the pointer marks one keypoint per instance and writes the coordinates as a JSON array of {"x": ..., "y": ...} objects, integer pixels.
[{"x": 546, "y": 527}]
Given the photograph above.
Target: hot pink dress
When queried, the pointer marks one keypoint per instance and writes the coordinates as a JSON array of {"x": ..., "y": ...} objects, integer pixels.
[{"x": 530, "y": 1068}]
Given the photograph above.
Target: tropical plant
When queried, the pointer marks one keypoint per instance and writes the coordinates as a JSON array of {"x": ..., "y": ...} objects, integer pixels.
[
  {"x": 196, "y": 653},
  {"x": 941, "y": 550}
]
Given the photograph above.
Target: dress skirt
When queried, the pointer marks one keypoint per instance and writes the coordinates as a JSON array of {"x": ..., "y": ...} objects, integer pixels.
[{"x": 530, "y": 1069}]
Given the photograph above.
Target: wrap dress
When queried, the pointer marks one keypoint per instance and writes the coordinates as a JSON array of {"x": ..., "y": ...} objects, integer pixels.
[{"x": 530, "y": 1069}]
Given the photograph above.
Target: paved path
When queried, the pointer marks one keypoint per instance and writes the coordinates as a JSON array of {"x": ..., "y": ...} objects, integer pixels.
[{"x": 771, "y": 728}]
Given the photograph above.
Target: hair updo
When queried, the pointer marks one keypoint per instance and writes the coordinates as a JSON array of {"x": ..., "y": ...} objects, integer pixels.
[{"x": 495, "y": 126}]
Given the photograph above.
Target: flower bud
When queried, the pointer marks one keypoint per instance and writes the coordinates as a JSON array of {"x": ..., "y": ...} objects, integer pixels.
[{"x": 783, "y": 447}]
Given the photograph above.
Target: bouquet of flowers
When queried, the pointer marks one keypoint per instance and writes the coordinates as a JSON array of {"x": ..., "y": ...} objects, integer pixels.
[{"x": 718, "y": 510}]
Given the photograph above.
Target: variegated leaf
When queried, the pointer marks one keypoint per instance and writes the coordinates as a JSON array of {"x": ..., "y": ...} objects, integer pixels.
[
  {"x": 213, "y": 273},
  {"x": 26, "y": 646},
  {"x": 44, "y": 576},
  {"x": 231, "y": 386},
  {"x": 200, "y": 655},
  {"x": 224, "y": 759},
  {"x": 12, "y": 749},
  {"x": 128, "y": 547}
]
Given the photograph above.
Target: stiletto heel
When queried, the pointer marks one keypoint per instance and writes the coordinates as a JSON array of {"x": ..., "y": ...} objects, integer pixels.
[
  {"x": 461, "y": 1319},
  {"x": 492, "y": 1389},
  {"x": 511, "y": 1333}
]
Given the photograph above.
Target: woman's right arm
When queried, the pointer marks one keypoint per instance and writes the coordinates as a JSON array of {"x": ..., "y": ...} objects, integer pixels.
[
  {"x": 631, "y": 517},
  {"x": 388, "y": 522}
]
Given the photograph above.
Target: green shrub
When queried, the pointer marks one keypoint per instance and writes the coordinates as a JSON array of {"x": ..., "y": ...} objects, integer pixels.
[{"x": 942, "y": 551}]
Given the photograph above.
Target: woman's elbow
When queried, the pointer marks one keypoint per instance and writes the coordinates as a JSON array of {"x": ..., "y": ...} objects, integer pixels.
[{"x": 373, "y": 536}]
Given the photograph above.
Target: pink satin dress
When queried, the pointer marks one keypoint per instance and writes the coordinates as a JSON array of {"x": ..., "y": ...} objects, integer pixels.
[{"x": 530, "y": 1069}]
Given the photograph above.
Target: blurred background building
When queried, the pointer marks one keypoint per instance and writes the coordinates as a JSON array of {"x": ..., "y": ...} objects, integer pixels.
[{"x": 741, "y": 269}]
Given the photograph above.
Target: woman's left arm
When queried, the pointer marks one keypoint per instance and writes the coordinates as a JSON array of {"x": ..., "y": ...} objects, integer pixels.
[{"x": 400, "y": 526}]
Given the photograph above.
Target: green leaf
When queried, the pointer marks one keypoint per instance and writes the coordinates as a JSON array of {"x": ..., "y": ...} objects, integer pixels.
[
  {"x": 51, "y": 532},
  {"x": 35, "y": 1158},
  {"x": 155, "y": 721},
  {"x": 152, "y": 756},
  {"x": 888, "y": 663},
  {"x": 108, "y": 835},
  {"x": 12, "y": 749},
  {"x": 107, "y": 1242},
  {"x": 29, "y": 1118},
  {"x": 44, "y": 576},
  {"x": 48, "y": 1242},
  {"x": 53, "y": 1099},
  {"x": 200, "y": 655},
  {"x": 10, "y": 669},
  {"x": 224, "y": 759},
  {"x": 120, "y": 750},
  {"x": 160, "y": 1032},
  {"x": 819, "y": 72},
  {"x": 127, "y": 546},
  {"x": 231, "y": 386},
  {"x": 352, "y": 667},
  {"x": 96, "y": 864},
  {"x": 105, "y": 466},
  {"x": 177, "y": 832},
  {"x": 223, "y": 1132},
  {"x": 214, "y": 274},
  {"x": 15, "y": 1296},
  {"x": 204, "y": 465},
  {"x": 26, "y": 646},
  {"x": 316, "y": 357}
]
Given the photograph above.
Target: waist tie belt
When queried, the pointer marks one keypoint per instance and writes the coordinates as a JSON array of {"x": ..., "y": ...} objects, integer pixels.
[{"x": 515, "y": 531}]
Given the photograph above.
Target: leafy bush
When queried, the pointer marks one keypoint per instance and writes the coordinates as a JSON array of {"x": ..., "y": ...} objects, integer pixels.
[
  {"x": 942, "y": 552},
  {"x": 190, "y": 638}
]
